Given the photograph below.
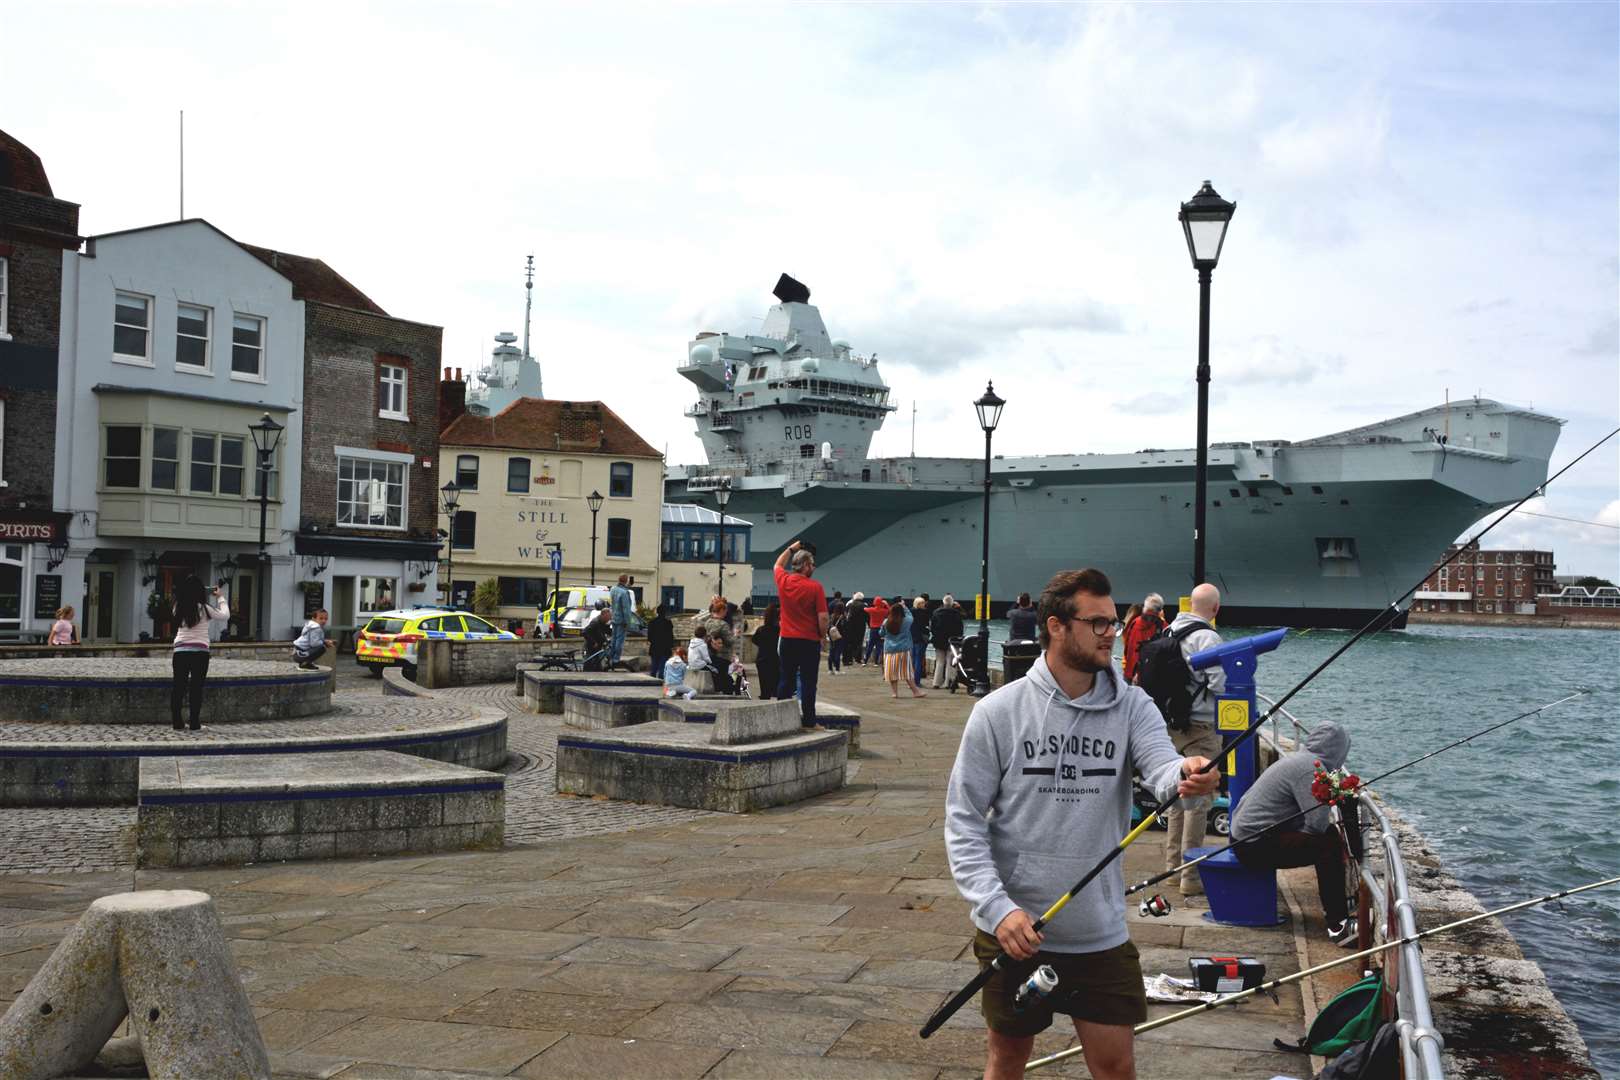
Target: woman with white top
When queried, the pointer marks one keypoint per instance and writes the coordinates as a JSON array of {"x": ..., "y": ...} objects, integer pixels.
[{"x": 192, "y": 616}]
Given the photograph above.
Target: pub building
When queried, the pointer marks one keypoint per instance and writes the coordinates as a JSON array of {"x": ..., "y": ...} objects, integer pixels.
[
  {"x": 36, "y": 228},
  {"x": 527, "y": 479}
]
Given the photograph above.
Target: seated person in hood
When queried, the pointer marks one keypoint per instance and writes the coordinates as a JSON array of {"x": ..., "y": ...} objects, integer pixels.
[
  {"x": 1041, "y": 793},
  {"x": 1274, "y": 802}
]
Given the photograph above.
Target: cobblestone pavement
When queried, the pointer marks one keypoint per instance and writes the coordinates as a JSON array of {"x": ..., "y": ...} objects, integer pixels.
[
  {"x": 135, "y": 667},
  {"x": 351, "y": 714},
  {"x": 806, "y": 941}
]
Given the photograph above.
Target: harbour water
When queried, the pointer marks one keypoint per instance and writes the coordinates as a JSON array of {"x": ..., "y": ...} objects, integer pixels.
[{"x": 1523, "y": 811}]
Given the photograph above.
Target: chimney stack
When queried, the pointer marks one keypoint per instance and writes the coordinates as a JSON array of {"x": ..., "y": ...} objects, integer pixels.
[{"x": 452, "y": 398}]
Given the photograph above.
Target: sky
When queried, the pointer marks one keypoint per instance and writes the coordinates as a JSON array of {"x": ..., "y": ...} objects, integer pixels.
[{"x": 1428, "y": 197}]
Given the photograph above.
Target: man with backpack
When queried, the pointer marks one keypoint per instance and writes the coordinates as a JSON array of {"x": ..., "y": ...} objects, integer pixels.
[{"x": 1187, "y": 701}]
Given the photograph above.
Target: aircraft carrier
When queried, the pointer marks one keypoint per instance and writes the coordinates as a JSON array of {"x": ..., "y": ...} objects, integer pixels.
[{"x": 1320, "y": 532}]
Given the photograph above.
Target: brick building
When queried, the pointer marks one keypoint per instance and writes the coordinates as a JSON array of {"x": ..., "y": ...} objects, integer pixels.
[
  {"x": 1488, "y": 582},
  {"x": 35, "y": 228},
  {"x": 366, "y": 538}
]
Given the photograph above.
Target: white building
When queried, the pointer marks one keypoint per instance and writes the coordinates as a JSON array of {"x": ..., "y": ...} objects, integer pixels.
[{"x": 175, "y": 340}]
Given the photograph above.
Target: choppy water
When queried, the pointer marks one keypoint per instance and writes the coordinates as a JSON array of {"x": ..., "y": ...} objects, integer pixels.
[{"x": 1528, "y": 810}]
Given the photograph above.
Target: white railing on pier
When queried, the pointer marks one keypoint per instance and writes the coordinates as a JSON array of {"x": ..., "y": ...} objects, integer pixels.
[{"x": 1421, "y": 1042}]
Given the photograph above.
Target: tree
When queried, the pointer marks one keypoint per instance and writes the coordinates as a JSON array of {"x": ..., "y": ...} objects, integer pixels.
[
  {"x": 1590, "y": 583},
  {"x": 486, "y": 599}
]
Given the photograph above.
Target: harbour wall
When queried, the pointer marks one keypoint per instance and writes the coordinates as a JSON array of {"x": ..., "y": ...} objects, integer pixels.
[
  {"x": 1546, "y": 622},
  {"x": 1492, "y": 1005}
]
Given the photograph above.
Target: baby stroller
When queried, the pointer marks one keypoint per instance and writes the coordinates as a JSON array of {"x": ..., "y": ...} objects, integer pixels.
[
  {"x": 965, "y": 659},
  {"x": 739, "y": 679}
]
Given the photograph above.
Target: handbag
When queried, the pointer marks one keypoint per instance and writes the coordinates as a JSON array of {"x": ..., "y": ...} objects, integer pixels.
[{"x": 834, "y": 634}]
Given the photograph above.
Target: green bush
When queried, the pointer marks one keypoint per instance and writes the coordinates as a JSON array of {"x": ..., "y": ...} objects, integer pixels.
[{"x": 486, "y": 598}]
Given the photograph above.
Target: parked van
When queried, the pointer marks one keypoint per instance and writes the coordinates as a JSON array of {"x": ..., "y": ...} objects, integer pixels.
[{"x": 571, "y": 606}]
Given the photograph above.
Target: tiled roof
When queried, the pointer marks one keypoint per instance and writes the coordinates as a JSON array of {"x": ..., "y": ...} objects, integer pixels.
[
  {"x": 588, "y": 427},
  {"x": 21, "y": 169},
  {"x": 313, "y": 280}
]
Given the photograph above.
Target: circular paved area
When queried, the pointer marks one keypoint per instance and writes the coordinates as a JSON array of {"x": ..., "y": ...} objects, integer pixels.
[
  {"x": 82, "y": 668},
  {"x": 351, "y": 715},
  {"x": 56, "y": 840}
]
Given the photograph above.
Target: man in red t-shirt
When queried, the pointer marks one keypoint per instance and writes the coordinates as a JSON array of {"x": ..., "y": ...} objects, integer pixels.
[{"x": 804, "y": 627}]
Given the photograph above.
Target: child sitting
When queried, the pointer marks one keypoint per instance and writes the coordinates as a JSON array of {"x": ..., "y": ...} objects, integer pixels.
[
  {"x": 311, "y": 644},
  {"x": 675, "y": 676}
]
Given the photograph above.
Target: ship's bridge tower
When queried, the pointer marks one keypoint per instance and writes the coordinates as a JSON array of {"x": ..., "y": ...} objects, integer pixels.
[{"x": 787, "y": 396}]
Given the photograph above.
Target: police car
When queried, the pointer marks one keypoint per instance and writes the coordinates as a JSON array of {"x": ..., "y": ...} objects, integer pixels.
[
  {"x": 571, "y": 607},
  {"x": 389, "y": 638}
]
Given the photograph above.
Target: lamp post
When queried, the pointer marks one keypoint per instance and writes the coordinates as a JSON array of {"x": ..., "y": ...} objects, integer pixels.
[
  {"x": 594, "y": 501},
  {"x": 1204, "y": 219},
  {"x": 266, "y": 437},
  {"x": 989, "y": 410},
  {"x": 451, "y": 493},
  {"x": 722, "y": 496}
]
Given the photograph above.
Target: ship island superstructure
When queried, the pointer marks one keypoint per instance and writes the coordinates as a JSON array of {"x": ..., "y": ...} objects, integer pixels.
[{"x": 1317, "y": 532}]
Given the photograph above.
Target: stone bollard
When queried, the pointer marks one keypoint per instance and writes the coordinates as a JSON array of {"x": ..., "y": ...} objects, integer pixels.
[{"x": 161, "y": 956}]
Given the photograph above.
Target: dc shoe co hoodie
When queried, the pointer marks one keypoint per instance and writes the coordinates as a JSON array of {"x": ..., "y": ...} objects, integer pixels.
[
  {"x": 1041, "y": 791},
  {"x": 1285, "y": 789}
]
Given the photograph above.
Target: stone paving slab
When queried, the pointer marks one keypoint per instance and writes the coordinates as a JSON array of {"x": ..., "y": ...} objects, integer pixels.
[{"x": 624, "y": 900}]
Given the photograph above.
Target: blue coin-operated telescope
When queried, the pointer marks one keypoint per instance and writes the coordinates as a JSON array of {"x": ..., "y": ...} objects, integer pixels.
[{"x": 1237, "y": 895}]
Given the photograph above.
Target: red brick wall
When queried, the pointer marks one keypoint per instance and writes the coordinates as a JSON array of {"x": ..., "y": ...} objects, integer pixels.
[{"x": 341, "y": 354}]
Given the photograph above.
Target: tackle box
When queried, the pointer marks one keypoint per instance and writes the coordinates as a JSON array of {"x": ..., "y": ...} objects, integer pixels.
[{"x": 1226, "y": 974}]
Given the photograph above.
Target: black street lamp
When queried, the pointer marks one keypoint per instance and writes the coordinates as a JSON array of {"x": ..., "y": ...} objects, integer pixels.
[
  {"x": 722, "y": 496},
  {"x": 266, "y": 437},
  {"x": 594, "y": 501},
  {"x": 989, "y": 410},
  {"x": 1204, "y": 219},
  {"x": 452, "y": 499}
]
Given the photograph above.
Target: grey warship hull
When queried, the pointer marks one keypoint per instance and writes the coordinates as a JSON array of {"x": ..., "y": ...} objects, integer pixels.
[{"x": 1323, "y": 532}]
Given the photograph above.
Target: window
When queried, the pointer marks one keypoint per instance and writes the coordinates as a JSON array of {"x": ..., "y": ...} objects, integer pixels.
[
  {"x": 231, "y": 451},
  {"x": 247, "y": 347},
  {"x": 203, "y": 449},
  {"x": 270, "y": 472},
  {"x": 618, "y": 538},
  {"x": 122, "y": 467},
  {"x": 669, "y": 546},
  {"x": 467, "y": 472},
  {"x": 710, "y": 543},
  {"x": 11, "y": 585},
  {"x": 522, "y": 591},
  {"x": 376, "y": 594},
  {"x": 191, "y": 327},
  {"x": 517, "y": 474},
  {"x": 371, "y": 493},
  {"x": 132, "y": 324},
  {"x": 165, "y": 459},
  {"x": 621, "y": 479},
  {"x": 475, "y": 625},
  {"x": 808, "y": 450},
  {"x": 4, "y": 286},
  {"x": 391, "y": 383},
  {"x": 452, "y": 624},
  {"x": 736, "y": 547},
  {"x": 464, "y": 531}
]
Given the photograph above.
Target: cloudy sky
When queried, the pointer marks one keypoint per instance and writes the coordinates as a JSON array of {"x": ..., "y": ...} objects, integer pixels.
[{"x": 1429, "y": 196}]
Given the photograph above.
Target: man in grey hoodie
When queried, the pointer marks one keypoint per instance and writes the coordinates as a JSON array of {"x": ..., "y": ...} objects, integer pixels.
[
  {"x": 1283, "y": 791},
  {"x": 1041, "y": 791},
  {"x": 1185, "y": 821}
]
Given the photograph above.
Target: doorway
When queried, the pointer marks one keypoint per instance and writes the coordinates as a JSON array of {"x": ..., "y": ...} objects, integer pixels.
[
  {"x": 100, "y": 604},
  {"x": 673, "y": 597}
]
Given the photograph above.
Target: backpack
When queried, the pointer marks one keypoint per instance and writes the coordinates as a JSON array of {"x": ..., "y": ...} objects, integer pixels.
[
  {"x": 1162, "y": 671},
  {"x": 1378, "y": 1058},
  {"x": 1350, "y": 1018}
]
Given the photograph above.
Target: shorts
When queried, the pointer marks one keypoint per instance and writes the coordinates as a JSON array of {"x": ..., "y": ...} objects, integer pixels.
[{"x": 1101, "y": 987}]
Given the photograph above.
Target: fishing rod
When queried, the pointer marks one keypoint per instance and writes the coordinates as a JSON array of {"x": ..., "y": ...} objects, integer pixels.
[
  {"x": 1378, "y": 622},
  {"x": 1229, "y": 999},
  {"x": 1365, "y": 785}
]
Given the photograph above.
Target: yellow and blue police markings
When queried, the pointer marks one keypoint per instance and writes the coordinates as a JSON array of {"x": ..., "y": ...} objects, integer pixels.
[{"x": 389, "y": 638}]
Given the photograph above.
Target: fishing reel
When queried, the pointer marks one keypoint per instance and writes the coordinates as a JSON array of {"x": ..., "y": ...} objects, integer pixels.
[
  {"x": 1155, "y": 906},
  {"x": 1041, "y": 982}
]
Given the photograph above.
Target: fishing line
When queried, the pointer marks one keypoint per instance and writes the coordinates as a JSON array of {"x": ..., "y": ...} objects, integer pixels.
[
  {"x": 1378, "y": 622},
  {"x": 1362, "y": 955},
  {"x": 1365, "y": 785}
]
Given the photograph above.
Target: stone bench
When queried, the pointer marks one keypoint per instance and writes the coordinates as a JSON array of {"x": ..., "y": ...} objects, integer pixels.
[
  {"x": 543, "y": 690},
  {"x": 596, "y": 707},
  {"x": 238, "y": 809},
  {"x": 706, "y": 710},
  {"x": 747, "y": 755}
]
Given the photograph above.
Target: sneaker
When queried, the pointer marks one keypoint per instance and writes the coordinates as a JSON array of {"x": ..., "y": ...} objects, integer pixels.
[
  {"x": 1344, "y": 934},
  {"x": 1191, "y": 885},
  {"x": 306, "y": 666}
]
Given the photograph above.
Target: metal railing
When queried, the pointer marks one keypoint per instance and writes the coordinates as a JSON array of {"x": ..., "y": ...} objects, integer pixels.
[{"x": 1391, "y": 902}]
